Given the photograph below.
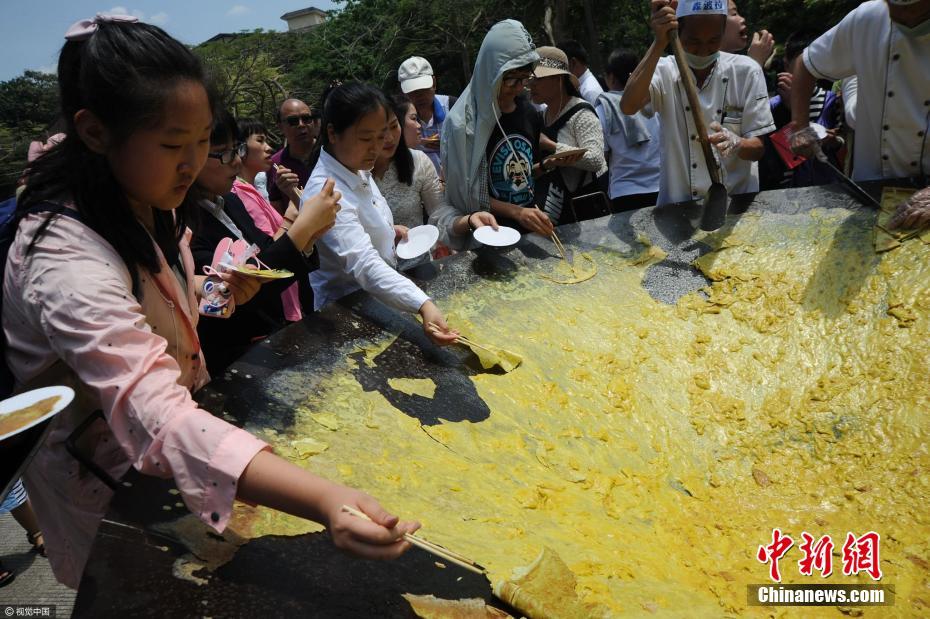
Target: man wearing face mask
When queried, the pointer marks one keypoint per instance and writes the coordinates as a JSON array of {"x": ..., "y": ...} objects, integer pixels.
[
  {"x": 733, "y": 95},
  {"x": 887, "y": 45}
]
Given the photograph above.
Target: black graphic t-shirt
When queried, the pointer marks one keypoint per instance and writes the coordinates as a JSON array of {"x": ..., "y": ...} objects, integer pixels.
[{"x": 510, "y": 177}]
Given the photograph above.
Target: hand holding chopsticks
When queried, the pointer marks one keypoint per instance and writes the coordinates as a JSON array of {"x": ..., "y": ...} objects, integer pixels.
[
  {"x": 434, "y": 325},
  {"x": 497, "y": 357},
  {"x": 561, "y": 248},
  {"x": 428, "y": 546},
  {"x": 288, "y": 181},
  {"x": 461, "y": 339}
]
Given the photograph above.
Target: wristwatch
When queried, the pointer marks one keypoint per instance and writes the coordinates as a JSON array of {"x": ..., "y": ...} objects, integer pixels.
[{"x": 468, "y": 221}]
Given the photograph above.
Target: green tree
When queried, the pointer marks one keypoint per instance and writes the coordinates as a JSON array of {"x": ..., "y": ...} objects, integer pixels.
[
  {"x": 28, "y": 106},
  {"x": 370, "y": 38},
  {"x": 250, "y": 71},
  {"x": 29, "y": 100},
  {"x": 626, "y": 22}
]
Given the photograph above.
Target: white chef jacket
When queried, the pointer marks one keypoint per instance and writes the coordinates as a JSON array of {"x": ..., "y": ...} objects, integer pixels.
[
  {"x": 893, "y": 100},
  {"x": 850, "y": 90},
  {"x": 735, "y": 95},
  {"x": 589, "y": 87},
  {"x": 358, "y": 252}
]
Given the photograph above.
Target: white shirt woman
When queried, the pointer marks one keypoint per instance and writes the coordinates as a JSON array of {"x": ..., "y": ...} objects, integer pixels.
[{"x": 358, "y": 252}]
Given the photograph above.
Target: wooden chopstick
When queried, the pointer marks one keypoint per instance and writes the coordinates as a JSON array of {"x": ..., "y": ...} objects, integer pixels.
[
  {"x": 561, "y": 248},
  {"x": 558, "y": 246},
  {"x": 469, "y": 342},
  {"x": 428, "y": 546},
  {"x": 461, "y": 339}
]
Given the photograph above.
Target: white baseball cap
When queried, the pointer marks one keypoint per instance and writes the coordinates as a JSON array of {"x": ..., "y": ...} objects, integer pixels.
[
  {"x": 415, "y": 73},
  {"x": 701, "y": 7}
]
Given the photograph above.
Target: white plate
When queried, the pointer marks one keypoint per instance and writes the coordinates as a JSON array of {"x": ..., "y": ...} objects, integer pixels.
[
  {"x": 502, "y": 237},
  {"x": 419, "y": 241},
  {"x": 820, "y": 130},
  {"x": 21, "y": 401},
  {"x": 565, "y": 154}
]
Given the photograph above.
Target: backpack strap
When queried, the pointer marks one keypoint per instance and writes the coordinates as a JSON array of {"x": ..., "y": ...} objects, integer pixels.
[
  {"x": 552, "y": 131},
  {"x": 10, "y": 223},
  {"x": 7, "y": 234},
  {"x": 54, "y": 208}
]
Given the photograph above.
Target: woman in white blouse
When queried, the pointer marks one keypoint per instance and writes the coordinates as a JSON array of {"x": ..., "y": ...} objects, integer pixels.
[
  {"x": 407, "y": 177},
  {"x": 358, "y": 252}
]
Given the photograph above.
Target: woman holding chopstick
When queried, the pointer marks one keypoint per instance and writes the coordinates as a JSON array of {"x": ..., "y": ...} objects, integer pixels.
[
  {"x": 224, "y": 215},
  {"x": 100, "y": 294},
  {"x": 257, "y": 160},
  {"x": 358, "y": 253}
]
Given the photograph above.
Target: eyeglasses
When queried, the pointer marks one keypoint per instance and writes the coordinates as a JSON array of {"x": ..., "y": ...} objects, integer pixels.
[
  {"x": 307, "y": 119},
  {"x": 228, "y": 156},
  {"x": 513, "y": 82}
]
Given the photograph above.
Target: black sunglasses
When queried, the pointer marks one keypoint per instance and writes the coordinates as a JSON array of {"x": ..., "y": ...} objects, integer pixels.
[
  {"x": 307, "y": 119},
  {"x": 228, "y": 156}
]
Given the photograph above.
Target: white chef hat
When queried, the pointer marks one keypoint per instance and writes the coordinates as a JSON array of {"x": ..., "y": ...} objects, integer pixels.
[{"x": 702, "y": 7}]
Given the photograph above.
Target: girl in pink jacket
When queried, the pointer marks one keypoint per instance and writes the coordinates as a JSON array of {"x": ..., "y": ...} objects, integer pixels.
[{"x": 104, "y": 298}]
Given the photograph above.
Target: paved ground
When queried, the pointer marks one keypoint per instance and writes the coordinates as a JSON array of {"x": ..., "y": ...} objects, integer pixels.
[{"x": 34, "y": 584}]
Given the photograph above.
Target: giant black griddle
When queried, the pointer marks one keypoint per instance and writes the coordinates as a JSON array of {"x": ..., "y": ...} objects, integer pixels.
[{"x": 130, "y": 570}]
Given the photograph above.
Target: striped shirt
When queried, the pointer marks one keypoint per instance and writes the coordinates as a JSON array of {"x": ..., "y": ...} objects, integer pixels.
[
  {"x": 817, "y": 102},
  {"x": 15, "y": 498}
]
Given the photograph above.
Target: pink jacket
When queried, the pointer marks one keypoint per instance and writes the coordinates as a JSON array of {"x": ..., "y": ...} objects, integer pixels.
[
  {"x": 70, "y": 318},
  {"x": 268, "y": 220}
]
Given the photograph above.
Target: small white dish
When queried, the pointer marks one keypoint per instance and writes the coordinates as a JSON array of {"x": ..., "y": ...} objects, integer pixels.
[
  {"x": 820, "y": 130},
  {"x": 23, "y": 400},
  {"x": 502, "y": 237},
  {"x": 419, "y": 241}
]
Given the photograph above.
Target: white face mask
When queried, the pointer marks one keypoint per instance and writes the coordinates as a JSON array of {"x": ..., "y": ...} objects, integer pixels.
[{"x": 701, "y": 62}]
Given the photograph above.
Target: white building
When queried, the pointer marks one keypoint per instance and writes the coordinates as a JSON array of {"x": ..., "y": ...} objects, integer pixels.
[{"x": 304, "y": 19}]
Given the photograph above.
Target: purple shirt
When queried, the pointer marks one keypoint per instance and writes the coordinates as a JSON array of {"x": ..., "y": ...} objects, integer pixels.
[{"x": 298, "y": 166}]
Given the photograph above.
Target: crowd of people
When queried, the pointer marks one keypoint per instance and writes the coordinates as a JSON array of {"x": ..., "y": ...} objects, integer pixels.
[{"x": 125, "y": 223}]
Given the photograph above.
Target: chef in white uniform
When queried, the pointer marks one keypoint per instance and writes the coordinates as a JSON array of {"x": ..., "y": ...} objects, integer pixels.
[
  {"x": 732, "y": 92},
  {"x": 886, "y": 43}
]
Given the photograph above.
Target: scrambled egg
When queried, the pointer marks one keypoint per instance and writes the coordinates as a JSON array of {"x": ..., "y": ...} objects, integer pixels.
[{"x": 654, "y": 447}]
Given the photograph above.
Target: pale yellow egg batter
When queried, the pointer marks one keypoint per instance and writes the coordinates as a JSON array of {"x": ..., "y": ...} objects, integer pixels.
[{"x": 654, "y": 447}]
